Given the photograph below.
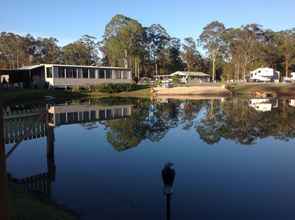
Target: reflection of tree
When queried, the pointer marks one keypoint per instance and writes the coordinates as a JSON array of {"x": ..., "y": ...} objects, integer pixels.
[
  {"x": 188, "y": 113},
  {"x": 128, "y": 132},
  {"x": 144, "y": 123},
  {"x": 232, "y": 119},
  {"x": 125, "y": 133},
  {"x": 212, "y": 126},
  {"x": 235, "y": 120}
]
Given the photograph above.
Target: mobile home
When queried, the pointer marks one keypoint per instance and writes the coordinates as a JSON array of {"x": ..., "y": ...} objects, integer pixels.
[
  {"x": 264, "y": 75},
  {"x": 67, "y": 76}
]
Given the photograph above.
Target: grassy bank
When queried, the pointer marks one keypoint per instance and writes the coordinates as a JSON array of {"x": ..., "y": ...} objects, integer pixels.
[
  {"x": 36, "y": 94},
  {"x": 7, "y": 96},
  {"x": 24, "y": 205},
  {"x": 142, "y": 93},
  {"x": 260, "y": 89}
]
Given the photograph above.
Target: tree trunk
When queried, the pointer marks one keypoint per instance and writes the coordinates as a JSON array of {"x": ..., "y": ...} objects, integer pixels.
[
  {"x": 286, "y": 65},
  {"x": 213, "y": 68}
]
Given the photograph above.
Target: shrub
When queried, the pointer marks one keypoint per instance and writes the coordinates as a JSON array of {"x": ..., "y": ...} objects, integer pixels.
[
  {"x": 76, "y": 89},
  {"x": 116, "y": 88}
]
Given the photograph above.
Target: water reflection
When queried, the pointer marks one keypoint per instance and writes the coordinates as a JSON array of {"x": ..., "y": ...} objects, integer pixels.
[
  {"x": 128, "y": 123},
  {"x": 263, "y": 105}
]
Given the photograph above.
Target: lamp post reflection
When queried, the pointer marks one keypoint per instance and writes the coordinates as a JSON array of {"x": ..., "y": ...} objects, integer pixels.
[{"x": 168, "y": 176}]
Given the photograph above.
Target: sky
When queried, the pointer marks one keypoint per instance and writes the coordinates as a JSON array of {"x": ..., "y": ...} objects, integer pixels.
[{"x": 68, "y": 20}]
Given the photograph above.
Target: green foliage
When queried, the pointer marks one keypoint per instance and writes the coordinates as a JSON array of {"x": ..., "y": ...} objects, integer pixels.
[
  {"x": 175, "y": 80},
  {"x": 191, "y": 56},
  {"x": 231, "y": 52},
  {"x": 17, "y": 50},
  {"x": 116, "y": 88},
  {"x": 82, "y": 52},
  {"x": 76, "y": 88}
]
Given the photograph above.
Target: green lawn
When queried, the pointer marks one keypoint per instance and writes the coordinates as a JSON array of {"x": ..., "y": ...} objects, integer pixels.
[
  {"x": 39, "y": 94},
  {"x": 24, "y": 205}
]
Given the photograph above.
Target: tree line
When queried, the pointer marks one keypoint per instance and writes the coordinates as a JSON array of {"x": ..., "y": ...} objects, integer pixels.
[{"x": 224, "y": 53}]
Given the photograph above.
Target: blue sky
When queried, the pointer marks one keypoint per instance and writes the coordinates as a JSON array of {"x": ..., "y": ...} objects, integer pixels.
[{"x": 67, "y": 20}]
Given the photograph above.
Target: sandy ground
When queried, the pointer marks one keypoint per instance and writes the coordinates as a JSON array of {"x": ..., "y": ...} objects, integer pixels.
[{"x": 209, "y": 90}]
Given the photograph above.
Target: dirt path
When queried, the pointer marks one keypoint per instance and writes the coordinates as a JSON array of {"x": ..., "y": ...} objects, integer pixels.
[{"x": 208, "y": 90}]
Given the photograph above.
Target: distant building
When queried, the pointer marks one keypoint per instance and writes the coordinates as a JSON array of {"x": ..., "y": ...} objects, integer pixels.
[
  {"x": 65, "y": 76},
  {"x": 191, "y": 77},
  {"x": 264, "y": 75}
]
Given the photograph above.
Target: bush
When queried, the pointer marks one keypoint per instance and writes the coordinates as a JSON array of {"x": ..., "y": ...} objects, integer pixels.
[
  {"x": 116, "y": 88},
  {"x": 76, "y": 89}
]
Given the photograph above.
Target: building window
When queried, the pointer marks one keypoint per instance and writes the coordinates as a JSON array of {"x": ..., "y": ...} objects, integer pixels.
[
  {"x": 69, "y": 72},
  {"x": 85, "y": 73},
  {"x": 117, "y": 74},
  {"x": 49, "y": 72},
  {"x": 79, "y": 73},
  {"x": 102, "y": 115},
  {"x": 55, "y": 71},
  {"x": 109, "y": 113},
  {"x": 75, "y": 73},
  {"x": 92, "y": 73},
  {"x": 101, "y": 73},
  {"x": 61, "y": 72},
  {"x": 125, "y": 74},
  {"x": 93, "y": 115},
  {"x": 86, "y": 116},
  {"x": 108, "y": 74},
  {"x": 63, "y": 118}
]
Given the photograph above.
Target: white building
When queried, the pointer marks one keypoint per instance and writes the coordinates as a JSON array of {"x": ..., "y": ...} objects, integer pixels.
[
  {"x": 67, "y": 76},
  {"x": 290, "y": 79},
  {"x": 190, "y": 77},
  {"x": 292, "y": 102},
  {"x": 264, "y": 75}
]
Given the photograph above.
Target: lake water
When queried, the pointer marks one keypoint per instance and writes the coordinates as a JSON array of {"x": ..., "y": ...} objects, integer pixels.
[{"x": 233, "y": 158}]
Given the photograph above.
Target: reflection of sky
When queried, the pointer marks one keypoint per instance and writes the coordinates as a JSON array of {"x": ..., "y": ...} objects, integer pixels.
[
  {"x": 28, "y": 159},
  {"x": 221, "y": 181}
]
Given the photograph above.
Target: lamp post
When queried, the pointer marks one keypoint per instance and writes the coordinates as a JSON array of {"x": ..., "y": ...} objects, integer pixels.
[{"x": 168, "y": 176}]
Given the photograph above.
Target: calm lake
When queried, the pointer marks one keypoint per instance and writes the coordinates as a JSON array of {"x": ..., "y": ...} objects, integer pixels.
[{"x": 102, "y": 159}]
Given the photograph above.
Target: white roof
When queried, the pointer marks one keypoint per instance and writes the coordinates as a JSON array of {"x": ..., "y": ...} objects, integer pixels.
[
  {"x": 187, "y": 73},
  {"x": 264, "y": 69},
  {"x": 30, "y": 67},
  {"x": 85, "y": 66},
  {"x": 66, "y": 65}
]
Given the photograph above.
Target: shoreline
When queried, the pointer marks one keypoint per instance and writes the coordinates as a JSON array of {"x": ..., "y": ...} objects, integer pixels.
[{"x": 194, "y": 92}]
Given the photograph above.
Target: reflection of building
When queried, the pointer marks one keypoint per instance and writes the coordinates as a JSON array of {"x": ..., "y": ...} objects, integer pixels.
[
  {"x": 263, "y": 105},
  {"x": 18, "y": 119},
  {"x": 81, "y": 113},
  {"x": 38, "y": 121},
  {"x": 292, "y": 102},
  {"x": 30, "y": 122}
]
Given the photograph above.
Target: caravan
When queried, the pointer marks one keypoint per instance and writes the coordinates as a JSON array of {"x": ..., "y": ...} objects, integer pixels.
[
  {"x": 263, "y": 105},
  {"x": 264, "y": 75},
  {"x": 290, "y": 79}
]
